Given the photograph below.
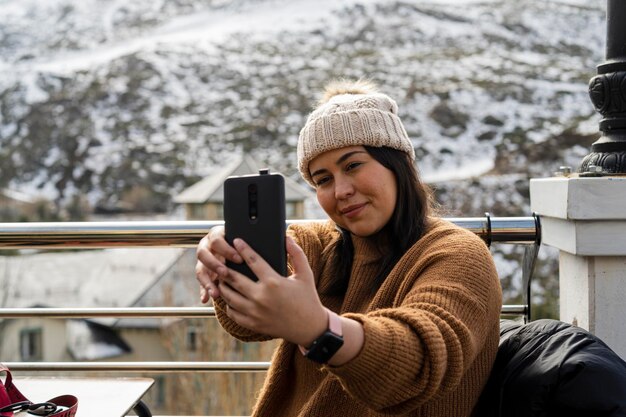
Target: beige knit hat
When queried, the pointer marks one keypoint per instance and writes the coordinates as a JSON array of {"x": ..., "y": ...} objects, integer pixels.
[{"x": 351, "y": 113}]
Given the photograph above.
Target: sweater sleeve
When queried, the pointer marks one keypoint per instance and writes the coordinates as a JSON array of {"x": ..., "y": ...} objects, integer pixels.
[
  {"x": 447, "y": 305},
  {"x": 312, "y": 238}
]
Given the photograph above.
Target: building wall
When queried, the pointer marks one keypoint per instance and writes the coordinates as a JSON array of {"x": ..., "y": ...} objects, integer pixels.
[
  {"x": 208, "y": 211},
  {"x": 215, "y": 211},
  {"x": 53, "y": 336},
  {"x": 146, "y": 344},
  {"x": 298, "y": 210}
]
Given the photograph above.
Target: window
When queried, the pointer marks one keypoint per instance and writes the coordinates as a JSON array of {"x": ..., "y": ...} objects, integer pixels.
[
  {"x": 290, "y": 209},
  {"x": 31, "y": 347},
  {"x": 192, "y": 338}
]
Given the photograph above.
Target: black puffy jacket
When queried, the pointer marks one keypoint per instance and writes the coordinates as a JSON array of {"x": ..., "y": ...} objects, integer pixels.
[{"x": 552, "y": 369}]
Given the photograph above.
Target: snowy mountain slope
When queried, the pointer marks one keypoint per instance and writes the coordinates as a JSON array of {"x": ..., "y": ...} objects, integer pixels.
[{"x": 103, "y": 98}]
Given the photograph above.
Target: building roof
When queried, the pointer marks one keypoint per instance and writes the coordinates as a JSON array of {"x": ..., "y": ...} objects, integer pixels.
[
  {"x": 87, "y": 340},
  {"x": 18, "y": 196},
  {"x": 175, "y": 287},
  {"x": 211, "y": 188},
  {"x": 92, "y": 278}
]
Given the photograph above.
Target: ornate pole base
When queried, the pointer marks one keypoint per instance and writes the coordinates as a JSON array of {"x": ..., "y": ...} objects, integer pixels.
[{"x": 607, "y": 91}]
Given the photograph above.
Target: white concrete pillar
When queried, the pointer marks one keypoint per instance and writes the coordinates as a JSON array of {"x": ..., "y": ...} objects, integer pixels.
[{"x": 585, "y": 218}]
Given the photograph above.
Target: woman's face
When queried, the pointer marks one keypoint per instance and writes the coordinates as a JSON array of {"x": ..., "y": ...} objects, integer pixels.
[{"x": 354, "y": 189}]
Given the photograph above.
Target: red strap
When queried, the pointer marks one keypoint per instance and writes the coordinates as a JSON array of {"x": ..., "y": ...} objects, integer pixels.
[
  {"x": 9, "y": 394},
  {"x": 68, "y": 401},
  {"x": 8, "y": 391},
  {"x": 4, "y": 397}
]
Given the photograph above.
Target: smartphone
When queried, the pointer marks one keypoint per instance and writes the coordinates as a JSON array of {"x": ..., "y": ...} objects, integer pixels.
[{"x": 254, "y": 210}]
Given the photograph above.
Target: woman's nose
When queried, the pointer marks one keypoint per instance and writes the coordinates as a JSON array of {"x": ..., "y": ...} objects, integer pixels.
[{"x": 343, "y": 188}]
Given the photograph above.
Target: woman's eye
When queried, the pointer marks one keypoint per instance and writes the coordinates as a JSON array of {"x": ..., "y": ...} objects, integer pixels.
[
  {"x": 322, "y": 181},
  {"x": 352, "y": 165}
]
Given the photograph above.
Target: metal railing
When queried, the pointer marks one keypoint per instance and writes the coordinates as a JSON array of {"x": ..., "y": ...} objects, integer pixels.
[
  {"x": 81, "y": 235},
  {"x": 74, "y": 235}
]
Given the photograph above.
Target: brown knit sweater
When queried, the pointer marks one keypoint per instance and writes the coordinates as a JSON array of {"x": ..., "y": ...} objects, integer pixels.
[{"x": 431, "y": 331}]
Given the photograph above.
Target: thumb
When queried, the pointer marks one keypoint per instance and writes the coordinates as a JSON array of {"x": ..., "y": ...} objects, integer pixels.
[{"x": 299, "y": 260}]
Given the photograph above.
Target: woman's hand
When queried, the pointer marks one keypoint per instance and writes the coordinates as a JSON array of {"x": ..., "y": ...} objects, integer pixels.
[
  {"x": 212, "y": 252},
  {"x": 286, "y": 307}
]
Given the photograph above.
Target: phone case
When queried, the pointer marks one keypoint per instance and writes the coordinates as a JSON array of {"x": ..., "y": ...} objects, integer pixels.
[{"x": 254, "y": 210}]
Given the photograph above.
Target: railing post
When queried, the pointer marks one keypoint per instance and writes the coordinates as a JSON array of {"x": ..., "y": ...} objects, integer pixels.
[{"x": 584, "y": 214}]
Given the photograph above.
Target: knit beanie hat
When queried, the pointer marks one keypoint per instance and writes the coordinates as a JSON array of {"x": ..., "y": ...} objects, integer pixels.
[{"x": 351, "y": 113}]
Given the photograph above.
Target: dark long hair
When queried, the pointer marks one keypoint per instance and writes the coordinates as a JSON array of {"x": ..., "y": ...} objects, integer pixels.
[{"x": 407, "y": 224}]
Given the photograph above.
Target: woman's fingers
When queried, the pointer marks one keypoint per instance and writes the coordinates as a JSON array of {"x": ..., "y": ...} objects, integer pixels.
[
  {"x": 217, "y": 244},
  {"x": 239, "y": 282},
  {"x": 208, "y": 283},
  {"x": 299, "y": 260},
  {"x": 234, "y": 299},
  {"x": 212, "y": 252},
  {"x": 257, "y": 264},
  {"x": 209, "y": 259}
]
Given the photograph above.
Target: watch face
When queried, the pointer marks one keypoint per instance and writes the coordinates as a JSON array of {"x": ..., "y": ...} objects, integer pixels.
[{"x": 325, "y": 347}]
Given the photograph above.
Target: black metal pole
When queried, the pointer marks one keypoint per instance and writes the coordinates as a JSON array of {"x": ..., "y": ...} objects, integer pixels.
[
  {"x": 607, "y": 91},
  {"x": 616, "y": 35}
]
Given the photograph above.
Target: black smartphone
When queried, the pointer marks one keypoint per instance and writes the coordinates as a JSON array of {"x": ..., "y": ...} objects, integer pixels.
[{"x": 254, "y": 210}]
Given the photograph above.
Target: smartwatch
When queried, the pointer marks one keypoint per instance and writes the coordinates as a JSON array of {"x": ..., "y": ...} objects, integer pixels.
[{"x": 325, "y": 346}]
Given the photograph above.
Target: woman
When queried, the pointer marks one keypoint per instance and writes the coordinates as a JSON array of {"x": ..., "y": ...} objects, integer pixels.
[{"x": 387, "y": 311}]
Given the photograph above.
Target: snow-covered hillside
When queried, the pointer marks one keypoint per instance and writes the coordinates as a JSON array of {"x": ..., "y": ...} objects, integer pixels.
[{"x": 100, "y": 98}]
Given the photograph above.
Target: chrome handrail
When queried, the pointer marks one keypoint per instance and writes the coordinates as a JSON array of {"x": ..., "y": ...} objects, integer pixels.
[
  {"x": 96, "y": 312},
  {"x": 509, "y": 309},
  {"x": 160, "y": 367},
  {"x": 144, "y": 312},
  {"x": 77, "y": 235}
]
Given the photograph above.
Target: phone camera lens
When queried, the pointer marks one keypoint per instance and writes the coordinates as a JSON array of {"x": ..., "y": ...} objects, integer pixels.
[{"x": 253, "y": 198}]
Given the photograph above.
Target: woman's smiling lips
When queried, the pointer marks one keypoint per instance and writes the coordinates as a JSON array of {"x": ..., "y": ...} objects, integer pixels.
[{"x": 353, "y": 210}]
